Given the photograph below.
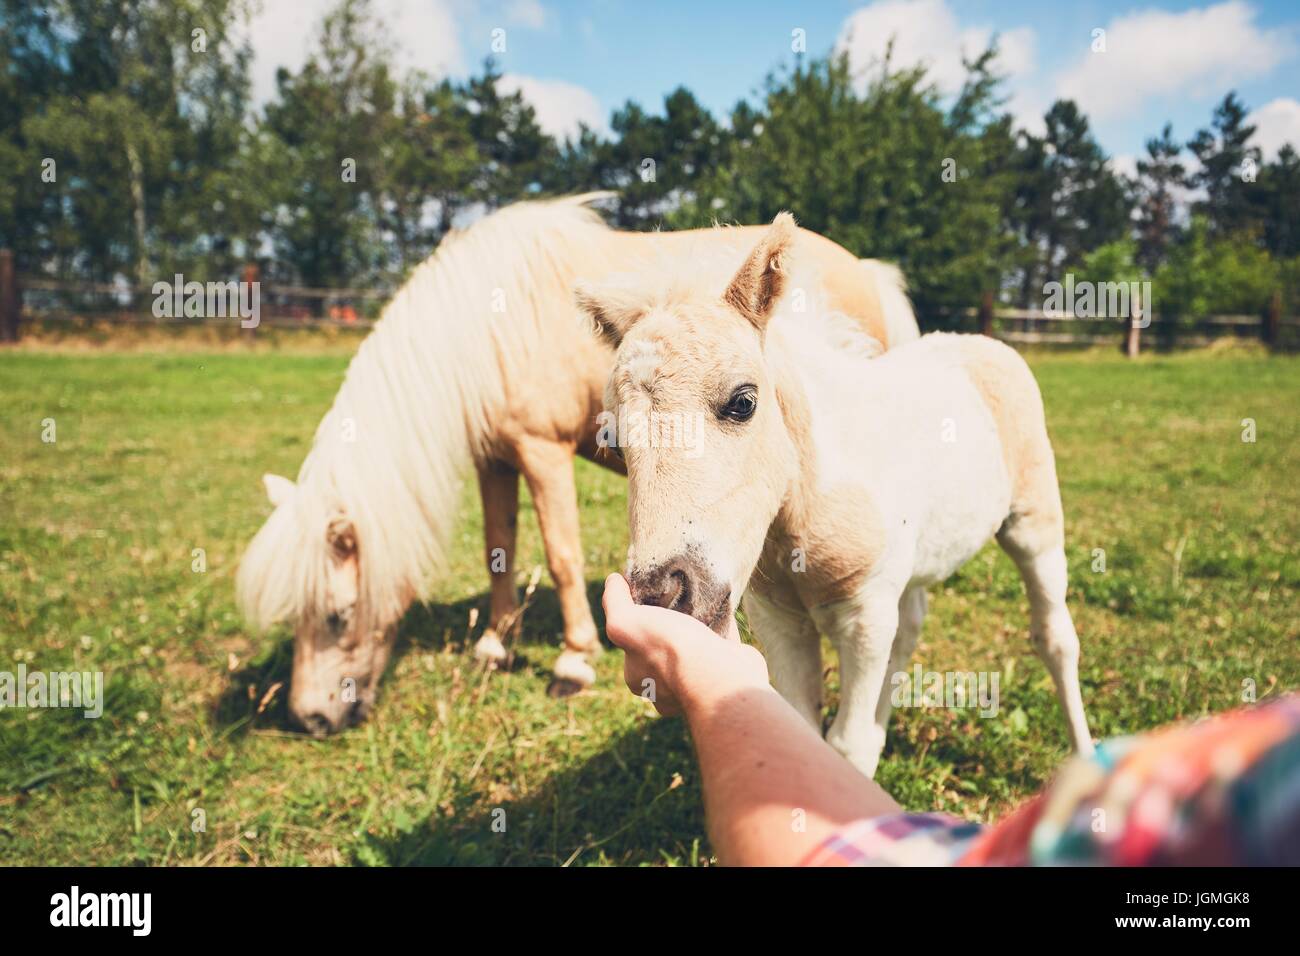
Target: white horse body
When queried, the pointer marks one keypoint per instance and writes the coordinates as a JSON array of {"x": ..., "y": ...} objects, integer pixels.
[
  {"x": 914, "y": 434},
  {"x": 891, "y": 426}
]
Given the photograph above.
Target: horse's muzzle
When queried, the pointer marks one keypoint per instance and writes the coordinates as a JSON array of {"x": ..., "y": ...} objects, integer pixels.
[
  {"x": 322, "y": 722},
  {"x": 685, "y": 584}
]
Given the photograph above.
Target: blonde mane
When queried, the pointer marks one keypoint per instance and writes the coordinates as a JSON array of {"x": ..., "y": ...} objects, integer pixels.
[{"x": 413, "y": 412}]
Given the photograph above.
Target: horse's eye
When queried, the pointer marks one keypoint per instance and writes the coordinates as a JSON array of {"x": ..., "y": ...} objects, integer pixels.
[{"x": 742, "y": 404}]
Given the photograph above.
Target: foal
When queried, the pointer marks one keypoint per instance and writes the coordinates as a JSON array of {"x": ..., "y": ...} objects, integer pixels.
[{"x": 835, "y": 485}]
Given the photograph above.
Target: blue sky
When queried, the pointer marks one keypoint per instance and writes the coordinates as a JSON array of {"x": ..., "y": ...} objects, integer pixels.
[{"x": 579, "y": 59}]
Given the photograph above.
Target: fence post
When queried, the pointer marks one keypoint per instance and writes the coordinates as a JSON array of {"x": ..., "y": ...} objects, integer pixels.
[
  {"x": 252, "y": 274},
  {"x": 1272, "y": 319},
  {"x": 10, "y": 300},
  {"x": 1133, "y": 331},
  {"x": 986, "y": 313}
]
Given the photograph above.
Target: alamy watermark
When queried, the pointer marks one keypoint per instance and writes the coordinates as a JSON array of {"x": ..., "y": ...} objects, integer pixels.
[
  {"x": 133, "y": 911},
  {"x": 651, "y": 430},
  {"x": 953, "y": 690},
  {"x": 1099, "y": 300},
  {"x": 214, "y": 300},
  {"x": 78, "y": 690}
]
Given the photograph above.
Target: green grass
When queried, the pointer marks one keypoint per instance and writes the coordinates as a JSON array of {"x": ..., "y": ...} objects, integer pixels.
[{"x": 158, "y": 454}]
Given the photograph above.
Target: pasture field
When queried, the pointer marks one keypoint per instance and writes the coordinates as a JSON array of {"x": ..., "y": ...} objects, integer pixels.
[{"x": 160, "y": 453}]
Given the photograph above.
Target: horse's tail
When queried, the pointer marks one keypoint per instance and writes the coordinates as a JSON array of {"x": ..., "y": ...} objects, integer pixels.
[
  {"x": 891, "y": 287},
  {"x": 416, "y": 408}
]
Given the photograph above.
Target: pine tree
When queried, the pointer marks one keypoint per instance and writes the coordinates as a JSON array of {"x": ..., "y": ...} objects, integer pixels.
[
  {"x": 1161, "y": 179},
  {"x": 1229, "y": 167},
  {"x": 1278, "y": 203},
  {"x": 1068, "y": 199}
]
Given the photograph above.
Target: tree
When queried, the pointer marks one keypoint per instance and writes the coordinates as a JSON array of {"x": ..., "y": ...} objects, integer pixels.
[
  {"x": 1229, "y": 166},
  {"x": 135, "y": 106},
  {"x": 1161, "y": 179},
  {"x": 885, "y": 171},
  {"x": 656, "y": 163},
  {"x": 30, "y": 76},
  {"x": 431, "y": 164},
  {"x": 1277, "y": 199},
  {"x": 1068, "y": 201},
  {"x": 516, "y": 153},
  {"x": 1205, "y": 275},
  {"x": 329, "y": 123}
]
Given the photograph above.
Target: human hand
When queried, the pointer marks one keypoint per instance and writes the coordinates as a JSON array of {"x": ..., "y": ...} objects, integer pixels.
[{"x": 673, "y": 660}]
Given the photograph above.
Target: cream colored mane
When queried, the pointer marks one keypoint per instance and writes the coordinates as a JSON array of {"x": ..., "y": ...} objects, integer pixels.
[{"x": 395, "y": 446}]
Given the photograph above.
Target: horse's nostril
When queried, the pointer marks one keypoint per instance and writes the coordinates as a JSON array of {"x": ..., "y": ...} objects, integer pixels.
[
  {"x": 685, "y": 585},
  {"x": 317, "y": 725},
  {"x": 678, "y": 591},
  {"x": 663, "y": 588}
]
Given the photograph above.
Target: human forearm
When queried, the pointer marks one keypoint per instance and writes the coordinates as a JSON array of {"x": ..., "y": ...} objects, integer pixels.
[{"x": 773, "y": 789}]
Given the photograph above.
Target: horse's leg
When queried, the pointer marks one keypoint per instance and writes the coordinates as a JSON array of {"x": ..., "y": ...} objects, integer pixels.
[
  {"x": 1040, "y": 555},
  {"x": 498, "y": 485},
  {"x": 862, "y": 628},
  {"x": 548, "y": 469},
  {"x": 793, "y": 650},
  {"x": 911, "y": 616}
]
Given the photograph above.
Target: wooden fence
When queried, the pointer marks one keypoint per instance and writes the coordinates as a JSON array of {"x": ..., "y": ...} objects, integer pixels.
[
  {"x": 26, "y": 299},
  {"x": 40, "y": 300},
  {"x": 1034, "y": 328}
]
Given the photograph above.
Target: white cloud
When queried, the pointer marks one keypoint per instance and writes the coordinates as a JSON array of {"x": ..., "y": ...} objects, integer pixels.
[
  {"x": 284, "y": 31},
  {"x": 1126, "y": 164},
  {"x": 1276, "y": 123},
  {"x": 526, "y": 13},
  {"x": 928, "y": 32},
  {"x": 1028, "y": 105},
  {"x": 560, "y": 106},
  {"x": 1198, "y": 52}
]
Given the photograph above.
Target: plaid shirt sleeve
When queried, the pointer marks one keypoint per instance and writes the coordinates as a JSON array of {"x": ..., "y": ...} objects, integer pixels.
[
  {"x": 900, "y": 839},
  {"x": 1220, "y": 791}
]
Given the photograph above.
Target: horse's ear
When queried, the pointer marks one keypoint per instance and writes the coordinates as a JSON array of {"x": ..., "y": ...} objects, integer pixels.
[
  {"x": 610, "y": 315},
  {"x": 760, "y": 282},
  {"x": 278, "y": 489}
]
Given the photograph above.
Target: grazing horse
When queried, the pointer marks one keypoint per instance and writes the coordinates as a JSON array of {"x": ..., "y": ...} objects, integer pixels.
[
  {"x": 834, "y": 487},
  {"x": 480, "y": 360}
]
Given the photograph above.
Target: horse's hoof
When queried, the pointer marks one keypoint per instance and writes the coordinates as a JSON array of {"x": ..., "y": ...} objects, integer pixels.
[
  {"x": 560, "y": 687},
  {"x": 489, "y": 649},
  {"x": 574, "y": 667}
]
